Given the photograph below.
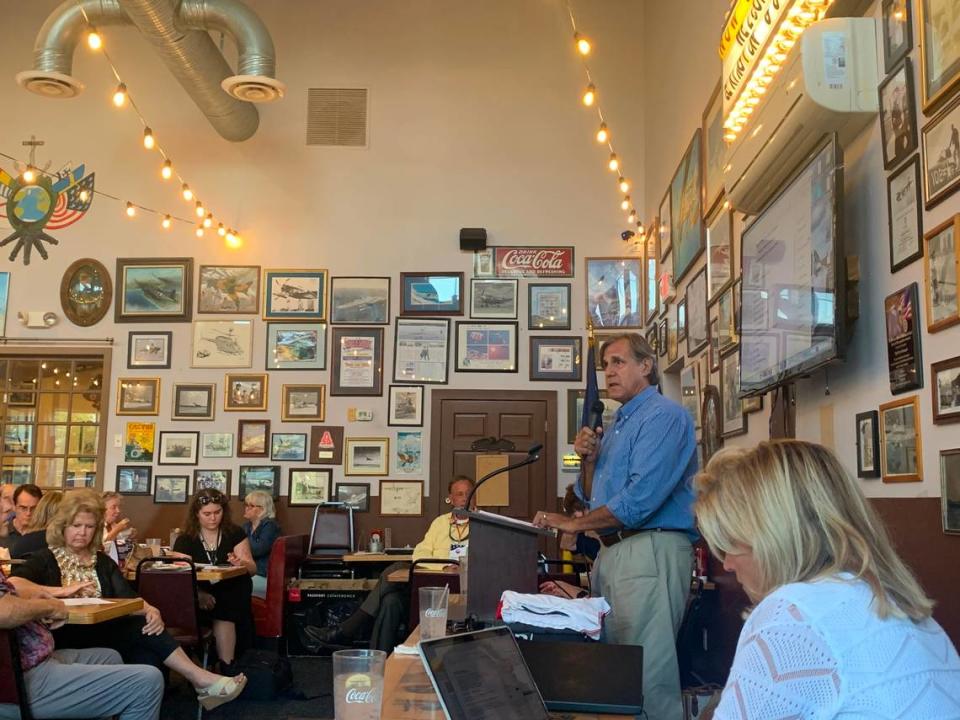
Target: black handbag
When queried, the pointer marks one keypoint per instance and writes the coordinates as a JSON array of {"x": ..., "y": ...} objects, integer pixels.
[{"x": 268, "y": 674}]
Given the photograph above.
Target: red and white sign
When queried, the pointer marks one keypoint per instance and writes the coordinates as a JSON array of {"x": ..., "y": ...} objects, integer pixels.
[{"x": 533, "y": 261}]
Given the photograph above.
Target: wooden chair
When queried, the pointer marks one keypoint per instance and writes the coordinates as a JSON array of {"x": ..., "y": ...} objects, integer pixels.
[
  {"x": 12, "y": 689},
  {"x": 286, "y": 555}
]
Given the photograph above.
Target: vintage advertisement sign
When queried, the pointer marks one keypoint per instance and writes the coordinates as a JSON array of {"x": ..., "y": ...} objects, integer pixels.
[{"x": 527, "y": 261}]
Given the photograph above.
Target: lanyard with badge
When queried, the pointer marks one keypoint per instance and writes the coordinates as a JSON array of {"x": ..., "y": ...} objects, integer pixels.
[{"x": 459, "y": 537}]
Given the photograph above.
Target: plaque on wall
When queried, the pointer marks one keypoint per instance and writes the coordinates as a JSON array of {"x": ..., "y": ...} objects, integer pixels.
[
  {"x": 86, "y": 292},
  {"x": 903, "y": 339}
]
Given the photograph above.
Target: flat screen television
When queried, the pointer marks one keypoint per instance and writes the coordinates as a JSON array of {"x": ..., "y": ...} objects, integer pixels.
[{"x": 792, "y": 305}]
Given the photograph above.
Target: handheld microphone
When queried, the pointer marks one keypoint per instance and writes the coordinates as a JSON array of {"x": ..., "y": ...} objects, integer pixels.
[
  {"x": 596, "y": 413},
  {"x": 533, "y": 454}
]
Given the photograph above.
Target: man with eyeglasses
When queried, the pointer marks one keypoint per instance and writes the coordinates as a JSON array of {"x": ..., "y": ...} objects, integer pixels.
[{"x": 25, "y": 499}]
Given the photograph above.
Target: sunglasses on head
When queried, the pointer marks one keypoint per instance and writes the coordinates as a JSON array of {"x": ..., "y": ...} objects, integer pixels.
[{"x": 212, "y": 498}]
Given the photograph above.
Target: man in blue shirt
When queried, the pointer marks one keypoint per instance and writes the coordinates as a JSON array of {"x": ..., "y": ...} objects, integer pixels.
[{"x": 637, "y": 481}]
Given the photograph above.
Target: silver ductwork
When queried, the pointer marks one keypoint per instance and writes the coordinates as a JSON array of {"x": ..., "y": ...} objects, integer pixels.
[{"x": 178, "y": 32}]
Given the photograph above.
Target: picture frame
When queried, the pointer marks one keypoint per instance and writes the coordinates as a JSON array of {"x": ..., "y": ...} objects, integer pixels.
[
  {"x": 288, "y": 447},
  {"x": 436, "y": 293},
  {"x": 148, "y": 350},
  {"x": 217, "y": 445},
  {"x": 294, "y": 294},
  {"x": 950, "y": 490},
  {"x": 296, "y": 346},
  {"x": 556, "y": 358},
  {"x": 171, "y": 489},
  {"x": 357, "y": 361},
  {"x": 726, "y": 314},
  {"x": 711, "y": 422},
  {"x": 663, "y": 235},
  {"x": 421, "y": 350},
  {"x": 548, "y": 306},
  {"x": 359, "y": 300},
  {"x": 720, "y": 253},
  {"x": 326, "y": 445},
  {"x": 245, "y": 392},
  {"x": 673, "y": 344},
  {"x": 897, "y": 31},
  {"x": 4, "y": 301},
  {"x": 401, "y": 498},
  {"x": 309, "y": 486},
  {"x": 259, "y": 477},
  {"x": 222, "y": 344},
  {"x": 941, "y": 264},
  {"x": 483, "y": 263},
  {"x": 575, "y": 400},
  {"x": 494, "y": 299},
  {"x": 303, "y": 403},
  {"x": 194, "y": 401},
  {"x": 939, "y": 52},
  {"x": 134, "y": 479},
  {"x": 734, "y": 417},
  {"x": 178, "y": 448},
  {"x": 898, "y": 115},
  {"x": 607, "y": 280},
  {"x": 714, "y": 344},
  {"x": 154, "y": 290},
  {"x": 690, "y": 393},
  {"x": 228, "y": 290},
  {"x": 682, "y": 320},
  {"x": 649, "y": 256},
  {"x": 662, "y": 340},
  {"x": 354, "y": 495},
  {"x": 686, "y": 210},
  {"x": 138, "y": 396},
  {"x": 941, "y": 173},
  {"x": 714, "y": 151},
  {"x": 253, "y": 438},
  {"x": 905, "y": 215},
  {"x": 86, "y": 293},
  {"x": 698, "y": 328},
  {"x": 901, "y": 451},
  {"x": 408, "y": 457},
  {"x": 666, "y": 286},
  {"x": 486, "y": 347},
  {"x": 904, "y": 352},
  {"x": 367, "y": 456},
  {"x": 652, "y": 339},
  {"x": 138, "y": 442},
  {"x": 405, "y": 406},
  {"x": 868, "y": 444},
  {"x": 212, "y": 479},
  {"x": 945, "y": 389}
]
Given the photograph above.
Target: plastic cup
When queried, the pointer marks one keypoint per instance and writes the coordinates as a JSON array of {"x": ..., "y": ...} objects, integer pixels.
[
  {"x": 433, "y": 612},
  {"x": 358, "y": 684},
  {"x": 154, "y": 545}
]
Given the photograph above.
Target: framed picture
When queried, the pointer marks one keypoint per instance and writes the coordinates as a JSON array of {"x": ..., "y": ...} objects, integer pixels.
[
  {"x": 212, "y": 480},
  {"x": 148, "y": 350},
  {"x": 401, "y": 497},
  {"x": 939, "y": 51},
  {"x": 138, "y": 396},
  {"x": 486, "y": 347},
  {"x": 294, "y": 294},
  {"x": 138, "y": 442},
  {"x": 714, "y": 151},
  {"x": 652, "y": 339},
  {"x": 613, "y": 292},
  {"x": 727, "y": 319},
  {"x": 901, "y": 454},
  {"x": 296, "y": 346},
  {"x": 575, "y": 400},
  {"x": 666, "y": 287},
  {"x": 556, "y": 358},
  {"x": 868, "y": 444},
  {"x": 421, "y": 350},
  {"x": 260, "y": 477},
  {"x": 154, "y": 290},
  {"x": 302, "y": 403},
  {"x": 171, "y": 489},
  {"x": 696, "y": 312},
  {"x": 898, "y": 125},
  {"x": 945, "y": 382},
  {"x": 326, "y": 445},
  {"x": 711, "y": 421},
  {"x": 662, "y": 338},
  {"x": 548, "y": 306},
  {"x": 941, "y": 154},
  {"x": 682, "y": 320},
  {"x": 690, "y": 393},
  {"x": 354, "y": 495},
  {"x": 367, "y": 456},
  {"x": 714, "y": 344},
  {"x": 734, "y": 418},
  {"x": 228, "y": 289},
  {"x": 673, "y": 345},
  {"x": 309, "y": 486},
  {"x": 360, "y": 300},
  {"x": 288, "y": 447},
  {"x": 950, "y": 489},
  {"x": 179, "y": 448},
  {"x": 652, "y": 297},
  {"x": 217, "y": 445},
  {"x": 86, "y": 293},
  {"x": 245, "y": 392},
  {"x": 409, "y": 453},
  {"x": 4, "y": 300},
  {"x": 193, "y": 401},
  {"x": 686, "y": 210},
  {"x": 357, "y": 354},
  {"x": 897, "y": 32},
  {"x": 222, "y": 344},
  {"x": 941, "y": 263},
  {"x": 904, "y": 215},
  {"x": 431, "y": 293},
  {"x": 904, "y": 356},
  {"x": 134, "y": 479},
  {"x": 494, "y": 299},
  {"x": 406, "y": 405},
  {"x": 719, "y": 253},
  {"x": 483, "y": 265},
  {"x": 253, "y": 438},
  {"x": 663, "y": 235}
]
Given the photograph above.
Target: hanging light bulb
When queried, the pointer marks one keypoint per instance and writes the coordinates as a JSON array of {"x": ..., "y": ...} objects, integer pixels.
[
  {"x": 632, "y": 217},
  {"x": 29, "y": 175},
  {"x": 583, "y": 45},
  {"x": 589, "y": 95},
  {"x": 233, "y": 240},
  {"x": 148, "y": 140},
  {"x": 221, "y": 230},
  {"x": 165, "y": 223},
  {"x": 199, "y": 210},
  {"x": 613, "y": 163},
  {"x": 94, "y": 40},
  {"x": 131, "y": 209},
  {"x": 208, "y": 220},
  {"x": 84, "y": 196},
  {"x": 187, "y": 192},
  {"x": 625, "y": 203},
  {"x": 120, "y": 95},
  {"x": 199, "y": 231},
  {"x": 624, "y": 184},
  {"x": 603, "y": 134},
  {"x": 166, "y": 172}
]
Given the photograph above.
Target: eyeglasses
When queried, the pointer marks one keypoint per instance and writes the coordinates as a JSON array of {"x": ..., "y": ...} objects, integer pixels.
[{"x": 251, "y": 505}]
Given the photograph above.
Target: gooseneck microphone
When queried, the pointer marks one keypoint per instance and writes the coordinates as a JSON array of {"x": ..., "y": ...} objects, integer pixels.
[{"x": 533, "y": 454}]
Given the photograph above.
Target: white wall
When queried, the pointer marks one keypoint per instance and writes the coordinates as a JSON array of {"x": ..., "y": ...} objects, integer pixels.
[{"x": 474, "y": 121}]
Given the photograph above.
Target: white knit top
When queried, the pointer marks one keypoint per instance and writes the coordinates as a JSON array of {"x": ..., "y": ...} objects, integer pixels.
[{"x": 818, "y": 650}]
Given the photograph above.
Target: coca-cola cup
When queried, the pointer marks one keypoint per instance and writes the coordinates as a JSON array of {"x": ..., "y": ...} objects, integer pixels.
[
  {"x": 358, "y": 684},
  {"x": 433, "y": 612}
]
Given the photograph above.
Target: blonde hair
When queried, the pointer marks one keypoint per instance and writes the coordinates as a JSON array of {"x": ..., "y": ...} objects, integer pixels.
[
  {"x": 264, "y": 500},
  {"x": 45, "y": 510},
  {"x": 74, "y": 503},
  {"x": 804, "y": 518}
]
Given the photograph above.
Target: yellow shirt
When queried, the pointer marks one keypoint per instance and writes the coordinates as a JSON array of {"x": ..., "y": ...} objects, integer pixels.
[{"x": 440, "y": 537}]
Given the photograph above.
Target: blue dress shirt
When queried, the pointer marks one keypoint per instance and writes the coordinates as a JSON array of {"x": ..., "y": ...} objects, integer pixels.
[
  {"x": 261, "y": 542},
  {"x": 645, "y": 468}
]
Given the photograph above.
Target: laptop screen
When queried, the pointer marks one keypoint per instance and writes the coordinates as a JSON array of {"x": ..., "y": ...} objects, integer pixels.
[{"x": 482, "y": 675}]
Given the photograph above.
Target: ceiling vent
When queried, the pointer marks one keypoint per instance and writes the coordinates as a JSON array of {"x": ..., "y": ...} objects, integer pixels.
[{"x": 337, "y": 116}]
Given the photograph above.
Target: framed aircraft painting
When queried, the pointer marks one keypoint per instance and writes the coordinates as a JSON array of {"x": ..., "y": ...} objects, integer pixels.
[
  {"x": 294, "y": 294},
  {"x": 154, "y": 290}
]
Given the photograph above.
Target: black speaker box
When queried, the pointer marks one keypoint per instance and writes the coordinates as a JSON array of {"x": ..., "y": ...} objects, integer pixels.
[{"x": 473, "y": 239}]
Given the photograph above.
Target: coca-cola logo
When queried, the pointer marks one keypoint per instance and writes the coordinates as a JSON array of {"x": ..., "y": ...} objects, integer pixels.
[
  {"x": 359, "y": 689},
  {"x": 435, "y": 613},
  {"x": 359, "y": 696},
  {"x": 535, "y": 262}
]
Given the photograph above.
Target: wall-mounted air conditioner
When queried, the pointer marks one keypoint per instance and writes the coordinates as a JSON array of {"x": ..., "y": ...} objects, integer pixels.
[{"x": 828, "y": 84}]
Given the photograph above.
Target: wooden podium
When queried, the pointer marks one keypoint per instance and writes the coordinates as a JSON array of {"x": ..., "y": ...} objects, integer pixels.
[{"x": 502, "y": 556}]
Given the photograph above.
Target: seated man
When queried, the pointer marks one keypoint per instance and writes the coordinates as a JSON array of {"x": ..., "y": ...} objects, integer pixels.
[
  {"x": 25, "y": 499},
  {"x": 71, "y": 683},
  {"x": 383, "y": 609}
]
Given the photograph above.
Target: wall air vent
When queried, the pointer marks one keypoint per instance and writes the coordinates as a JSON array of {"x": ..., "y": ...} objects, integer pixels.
[{"x": 337, "y": 116}]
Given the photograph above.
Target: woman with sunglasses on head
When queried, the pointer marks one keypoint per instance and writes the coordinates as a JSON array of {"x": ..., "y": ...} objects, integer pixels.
[
  {"x": 262, "y": 530},
  {"x": 211, "y": 538}
]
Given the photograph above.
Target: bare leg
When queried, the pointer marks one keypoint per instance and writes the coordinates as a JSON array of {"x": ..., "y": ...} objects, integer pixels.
[
  {"x": 180, "y": 662},
  {"x": 225, "y": 633}
]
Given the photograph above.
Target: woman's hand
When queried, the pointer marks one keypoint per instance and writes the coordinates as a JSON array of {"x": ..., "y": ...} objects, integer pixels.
[
  {"x": 70, "y": 590},
  {"x": 154, "y": 623},
  {"x": 205, "y": 600},
  {"x": 235, "y": 560},
  {"x": 118, "y": 527}
]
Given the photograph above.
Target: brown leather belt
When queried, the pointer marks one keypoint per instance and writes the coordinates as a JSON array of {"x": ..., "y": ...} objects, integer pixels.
[{"x": 612, "y": 539}]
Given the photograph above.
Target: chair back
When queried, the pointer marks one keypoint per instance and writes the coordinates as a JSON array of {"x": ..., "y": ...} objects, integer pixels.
[
  {"x": 286, "y": 555},
  {"x": 12, "y": 689},
  {"x": 431, "y": 579},
  {"x": 332, "y": 532},
  {"x": 174, "y": 594}
]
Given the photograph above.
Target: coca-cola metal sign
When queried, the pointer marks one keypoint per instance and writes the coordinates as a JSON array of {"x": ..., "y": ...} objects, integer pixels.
[{"x": 529, "y": 261}]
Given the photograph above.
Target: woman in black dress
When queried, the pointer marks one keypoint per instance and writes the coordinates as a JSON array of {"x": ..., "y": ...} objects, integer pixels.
[{"x": 210, "y": 537}]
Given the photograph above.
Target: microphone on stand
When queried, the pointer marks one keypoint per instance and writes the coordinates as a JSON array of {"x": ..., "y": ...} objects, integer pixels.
[{"x": 533, "y": 454}]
